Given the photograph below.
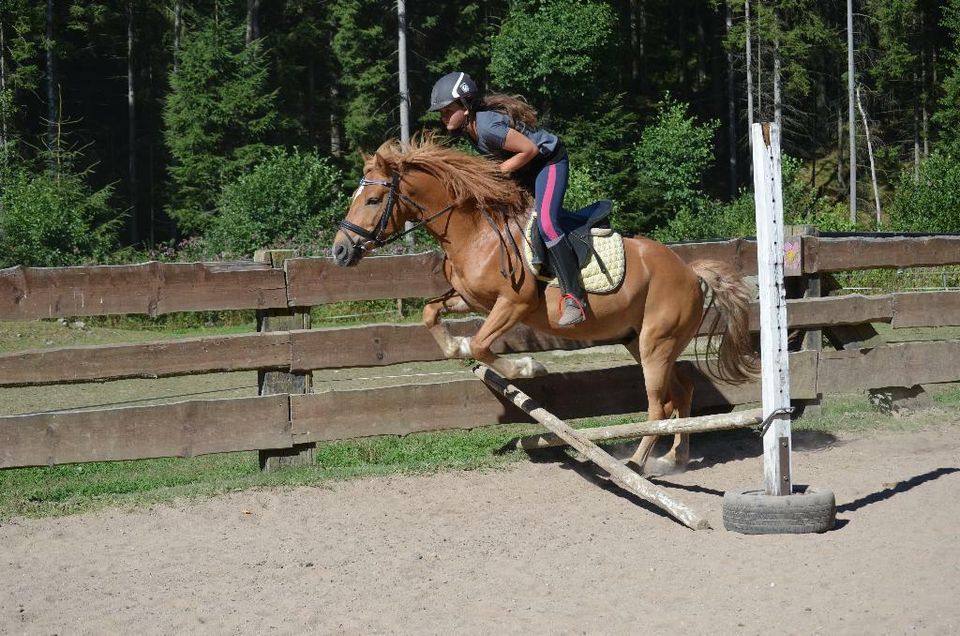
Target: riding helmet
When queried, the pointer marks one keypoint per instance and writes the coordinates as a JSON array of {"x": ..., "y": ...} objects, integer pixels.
[{"x": 451, "y": 87}]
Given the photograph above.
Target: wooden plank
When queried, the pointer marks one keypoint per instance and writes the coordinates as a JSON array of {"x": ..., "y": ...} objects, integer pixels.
[
  {"x": 926, "y": 309},
  {"x": 295, "y": 351},
  {"x": 617, "y": 472},
  {"x": 840, "y": 254},
  {"x": 465, "y": 404},
  {"x": 891, "y": 365},
  {"x": 146, "y": 360},
  {"x": 740, "y": 253},
  {"x": 830, "y": 311},
  {"x": 378, "y": 345},
  {"x": 672, "y": 426},
  {"x": 183, "y": 429},
  {"x": 153, "y": 288},
  {"x": 315, "y": 281}
]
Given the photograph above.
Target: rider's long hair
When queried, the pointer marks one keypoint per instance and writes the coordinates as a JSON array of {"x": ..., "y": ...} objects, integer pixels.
[{"x": 513, "y": 106}]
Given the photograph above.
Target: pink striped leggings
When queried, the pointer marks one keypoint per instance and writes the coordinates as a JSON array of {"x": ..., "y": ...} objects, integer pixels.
[{"x": 551, "y": 185}]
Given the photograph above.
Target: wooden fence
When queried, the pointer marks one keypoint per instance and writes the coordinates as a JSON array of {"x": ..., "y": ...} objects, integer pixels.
[{"x": 288, "y": 420}]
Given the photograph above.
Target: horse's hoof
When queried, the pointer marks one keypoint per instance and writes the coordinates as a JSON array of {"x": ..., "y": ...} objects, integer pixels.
[
  {"x": 536, "y": 369},
  {"x": 633, "y": 465},
  {"x": 660, "y": 467},
  {"x": 527, "y": 368}
]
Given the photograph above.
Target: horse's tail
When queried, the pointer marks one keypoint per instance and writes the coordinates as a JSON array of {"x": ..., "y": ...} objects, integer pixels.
[{"x": 730, "y": 295}]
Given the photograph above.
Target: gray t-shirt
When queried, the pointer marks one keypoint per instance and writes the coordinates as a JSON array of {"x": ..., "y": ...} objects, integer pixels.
[{"x": 492, "y": 128}]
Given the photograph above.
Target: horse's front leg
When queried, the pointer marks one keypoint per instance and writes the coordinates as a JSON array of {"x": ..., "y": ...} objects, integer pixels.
[
  {"x": 451, "y": 302},
  {"x": 504, "y": 315}
]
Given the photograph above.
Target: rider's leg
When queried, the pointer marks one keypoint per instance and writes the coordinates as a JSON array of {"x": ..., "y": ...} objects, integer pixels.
[
  {"x": 551, "y": 185},
  {"x": 567, "y": 269}
]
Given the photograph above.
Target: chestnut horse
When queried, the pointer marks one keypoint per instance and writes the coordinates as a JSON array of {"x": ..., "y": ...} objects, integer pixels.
[{"x": 477, "y": 215}]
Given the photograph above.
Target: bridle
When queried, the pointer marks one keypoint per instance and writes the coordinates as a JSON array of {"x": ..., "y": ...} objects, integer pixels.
[{"x": 369, "y": 240}]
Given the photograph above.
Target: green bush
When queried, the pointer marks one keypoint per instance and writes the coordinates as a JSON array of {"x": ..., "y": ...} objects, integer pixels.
[
  {"x": 929, "y": 202},
  {"x": 291, "y": 199},
  {"x": 709, "y": 219},
  {"x": 53, "y": 220},
  {"x": 671, "y": 158}
]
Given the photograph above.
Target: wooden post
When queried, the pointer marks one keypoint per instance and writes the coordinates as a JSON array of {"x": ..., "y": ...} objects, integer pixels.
[
  {"x": 275, "y": 382},
  {"x": 809, "y": 287},
  {"x": 619, "y": 474},
  {"x": 774, "y": 356}
]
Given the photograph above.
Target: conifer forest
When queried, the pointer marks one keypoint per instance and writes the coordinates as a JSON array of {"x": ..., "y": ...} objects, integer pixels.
[{"x": 203, "y": 129}]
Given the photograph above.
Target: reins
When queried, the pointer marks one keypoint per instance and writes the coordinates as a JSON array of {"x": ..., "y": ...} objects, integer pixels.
[{"x": 393, "y": 193}]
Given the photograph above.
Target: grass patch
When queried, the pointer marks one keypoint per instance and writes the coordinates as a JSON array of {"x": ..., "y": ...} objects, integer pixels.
[{"x": 73, "y": 488}]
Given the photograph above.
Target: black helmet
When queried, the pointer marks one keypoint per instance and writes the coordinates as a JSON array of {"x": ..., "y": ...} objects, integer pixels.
[{"x": 451, "y": 87}]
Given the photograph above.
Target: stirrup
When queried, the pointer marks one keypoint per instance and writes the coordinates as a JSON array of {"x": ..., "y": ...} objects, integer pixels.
[{"x": 571, "y": 311}]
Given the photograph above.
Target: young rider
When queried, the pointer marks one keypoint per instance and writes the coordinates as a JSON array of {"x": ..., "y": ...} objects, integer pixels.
[{"x": 505, "y": 127}]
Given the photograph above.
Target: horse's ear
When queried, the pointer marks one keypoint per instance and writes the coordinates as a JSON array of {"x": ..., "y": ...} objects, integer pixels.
[{"x": 382, "y": 165}]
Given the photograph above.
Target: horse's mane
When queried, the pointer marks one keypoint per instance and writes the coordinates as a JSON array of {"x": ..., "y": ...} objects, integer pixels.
[{"x": 464, "y": 176}]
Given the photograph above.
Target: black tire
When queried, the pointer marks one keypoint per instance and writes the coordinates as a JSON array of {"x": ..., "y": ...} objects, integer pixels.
[{"x": 753, "y": 511}]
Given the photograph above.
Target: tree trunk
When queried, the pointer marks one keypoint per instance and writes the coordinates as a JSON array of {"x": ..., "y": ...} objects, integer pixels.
[
  {"x": 749, "y": 65},
  {"x": 51, "y": 81},
  {"x": 134, "y": 226},
  {"x": 777, "y": 98},
  {"x": 840, "y": 147},
  {"x": 253, "y": 20},
  {"x": 873, "y": 169},
  {"x": 851, "y": 116},
  {"x": 916, "y": 128},
  {"x": 3, "y": 90},
  {"x": 731, "y": 107},
  {"x": 177, "y": 28}
]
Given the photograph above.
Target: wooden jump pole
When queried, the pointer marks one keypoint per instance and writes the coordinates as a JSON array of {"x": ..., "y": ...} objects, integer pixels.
[
  {"x": 619, "y": 474},
  {"x": 700, "y": 424}
]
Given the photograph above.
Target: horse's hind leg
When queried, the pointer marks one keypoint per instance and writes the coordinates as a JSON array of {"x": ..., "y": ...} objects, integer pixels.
[
  {"x": 681, "y": 398},
  {"x": 667, "y": 394}
]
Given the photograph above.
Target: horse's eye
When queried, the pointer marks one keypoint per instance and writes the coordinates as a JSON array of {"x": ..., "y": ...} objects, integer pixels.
[{"x": 373, "y": 201}]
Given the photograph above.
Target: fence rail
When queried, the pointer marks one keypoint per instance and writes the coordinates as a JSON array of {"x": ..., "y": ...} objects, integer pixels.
[{"x": 285, "y": 420}]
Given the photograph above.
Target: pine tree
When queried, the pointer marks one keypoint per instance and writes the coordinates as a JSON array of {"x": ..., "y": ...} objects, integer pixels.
[
  {"x": 948, "y": 116},
  {"x": 217, "y": 117}
]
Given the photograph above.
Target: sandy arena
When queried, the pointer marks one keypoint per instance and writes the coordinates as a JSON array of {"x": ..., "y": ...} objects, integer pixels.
[{"x": 542, "y": 547}]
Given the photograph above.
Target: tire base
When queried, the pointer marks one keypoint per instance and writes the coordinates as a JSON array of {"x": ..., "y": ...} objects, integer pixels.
[{"x": 753, "y": 511}]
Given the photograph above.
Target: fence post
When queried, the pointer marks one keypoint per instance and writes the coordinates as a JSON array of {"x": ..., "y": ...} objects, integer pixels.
[
  {"x": 774, "y": 355},
  {"x": 804, "y": 286},
  {"x": 276, "y": 382}
]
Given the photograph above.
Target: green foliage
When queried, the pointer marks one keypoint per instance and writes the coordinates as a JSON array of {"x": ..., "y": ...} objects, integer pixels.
[
  {"x": 929, "y": 201},
  {"x": 52, "y": 220},
  {"x": 557, "y": 53},
  {"x": 290, "y": 198},
  {"x": 218, "y": 114},
  {"x": 710, "y": 219},
  {"x": 671, "y": 158},
  {"x": 364, "y": 49},
  {"x": 949, "y": 114}
]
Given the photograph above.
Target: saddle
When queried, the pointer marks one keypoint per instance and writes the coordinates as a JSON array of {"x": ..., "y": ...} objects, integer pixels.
[{"x": 599, "y": 250}]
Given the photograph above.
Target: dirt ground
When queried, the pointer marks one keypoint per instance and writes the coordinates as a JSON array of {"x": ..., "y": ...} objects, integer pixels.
[{"x": 545, "y": 546}]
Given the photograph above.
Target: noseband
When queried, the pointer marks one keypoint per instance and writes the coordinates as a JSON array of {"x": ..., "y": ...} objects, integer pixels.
[{"x": 375, "y": 237}]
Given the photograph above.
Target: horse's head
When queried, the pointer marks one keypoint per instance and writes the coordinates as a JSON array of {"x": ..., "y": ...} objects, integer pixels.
[{"x": 376, "y": 213}]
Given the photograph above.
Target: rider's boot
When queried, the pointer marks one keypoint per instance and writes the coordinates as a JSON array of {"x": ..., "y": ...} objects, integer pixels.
[{"x": 573, "y": 298}]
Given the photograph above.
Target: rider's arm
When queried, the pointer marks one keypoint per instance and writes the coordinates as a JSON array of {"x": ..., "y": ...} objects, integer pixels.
[{"x": 524, "y": 151}]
